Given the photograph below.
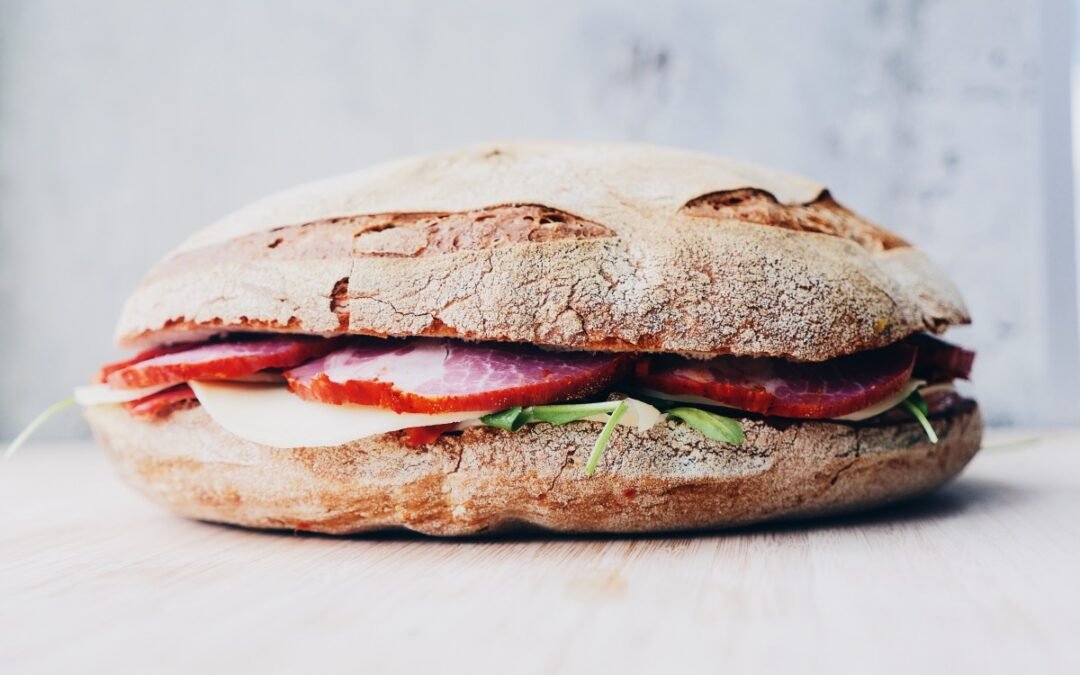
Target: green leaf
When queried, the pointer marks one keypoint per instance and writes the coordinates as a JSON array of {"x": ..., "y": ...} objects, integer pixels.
[
  {"x": 919, "y": 402},
  {"x": 571, "y": 412},
  {"x": 605, "y": 437},
  {"x": 514, "y": 418},
  {"x": 661, "y": 404},
  {"x": 25, "y": 434},
  {"x": 510, "y": 419},
  {"x": 716, "y": 427},
  {"x": 916, "y": 406}
]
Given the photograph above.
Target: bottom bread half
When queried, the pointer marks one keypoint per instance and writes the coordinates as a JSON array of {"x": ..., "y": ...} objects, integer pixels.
[{"x": 485, "y": 480}]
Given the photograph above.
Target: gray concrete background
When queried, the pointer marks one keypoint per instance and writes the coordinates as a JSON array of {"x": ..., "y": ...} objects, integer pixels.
[{"x": 125, "y": 125}]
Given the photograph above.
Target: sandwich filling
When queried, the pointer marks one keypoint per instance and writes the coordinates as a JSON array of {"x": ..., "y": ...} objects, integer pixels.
[{"x": 305, "y": 391}]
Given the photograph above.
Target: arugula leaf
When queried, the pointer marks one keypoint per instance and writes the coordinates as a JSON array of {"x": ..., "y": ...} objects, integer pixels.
[
  {"x": 43, "y": 417},
  {"x": 571, "y": 412},
  {"x": 919, "y": 402},
  {"x": 510, "y": 419},
  {"x": 605, "y": 437},
  {"x": 514, "y": 418},
  {"x": 917, "y": 408},
  {"x": 716, "y": 427},
  {"x": 661, "y": 404}
]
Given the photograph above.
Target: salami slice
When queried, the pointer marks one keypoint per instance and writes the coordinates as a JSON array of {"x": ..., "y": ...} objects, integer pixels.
[
  {"x": 163, "y": 402},
  {"x": 430, "y": 376},
  {"x": 770, "y": 386},
  {"x": 219, "y": 360}
]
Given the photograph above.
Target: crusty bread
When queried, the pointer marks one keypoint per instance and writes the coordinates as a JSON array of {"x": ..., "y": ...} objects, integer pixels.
[
  {"x": 577, "y": 246},
  {"x": 485, "y": 479}
]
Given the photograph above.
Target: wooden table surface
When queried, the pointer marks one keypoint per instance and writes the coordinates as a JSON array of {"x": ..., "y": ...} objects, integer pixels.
[{"x": 983, "y": 576}]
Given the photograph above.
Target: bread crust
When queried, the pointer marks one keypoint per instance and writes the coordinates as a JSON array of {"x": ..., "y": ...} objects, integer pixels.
[
  {"x": 486, "y": 480},
  {"x": 653, "y": 249}
]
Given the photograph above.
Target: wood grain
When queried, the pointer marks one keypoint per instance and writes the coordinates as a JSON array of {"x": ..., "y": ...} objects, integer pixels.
[{"x": 979, "y": 577}]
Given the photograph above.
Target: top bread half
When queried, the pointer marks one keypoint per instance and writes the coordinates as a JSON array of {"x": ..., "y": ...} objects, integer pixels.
[{"x": 566, "y": 245}]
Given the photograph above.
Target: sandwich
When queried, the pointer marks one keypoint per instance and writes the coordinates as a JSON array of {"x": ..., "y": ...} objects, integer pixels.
[{"x": 571, "y": 337}]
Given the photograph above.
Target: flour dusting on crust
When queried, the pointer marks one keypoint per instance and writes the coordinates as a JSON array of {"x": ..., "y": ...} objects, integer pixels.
[{"x": 639, "y": 249}]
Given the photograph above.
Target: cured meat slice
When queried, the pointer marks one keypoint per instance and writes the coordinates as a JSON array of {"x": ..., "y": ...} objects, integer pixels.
[
  {"x": 771, "y": 386},
  {"x": 939, "y": 361},
  {"x": 220, "y": 360},
  {"x": 107, "y": 370},
  {"x": 429, "y": 376},
  {"x": 417, "y": 436},
  {"x": 163, "y": 402}
]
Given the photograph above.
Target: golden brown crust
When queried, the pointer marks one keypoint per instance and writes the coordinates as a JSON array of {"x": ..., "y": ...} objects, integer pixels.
[
  {"x": 823, "y": 216},
  {"x": 643, "y": 255},
  {"x": 485, "y": 480}
]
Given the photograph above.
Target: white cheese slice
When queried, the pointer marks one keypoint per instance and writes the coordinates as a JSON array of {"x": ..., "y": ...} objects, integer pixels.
[
  {"x": 274, "y": 416},
  {"x": 883, "y": 405},
  {"x": 937, "y": 389},
  {"x": 103, "y": 394}
]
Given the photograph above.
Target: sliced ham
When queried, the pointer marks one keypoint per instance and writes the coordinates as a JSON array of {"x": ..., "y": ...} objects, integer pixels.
[
  {"x": 781, "y": 388},
  {"x": 939, "y": 361},
  {"x": 107, "y": 370},
  {"x": 218, "y": 360},
  {"x": 163, "y": 402},
  {"x": 428, "y": 376},
  {"x": 418, "y": 436}
]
